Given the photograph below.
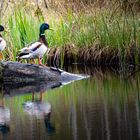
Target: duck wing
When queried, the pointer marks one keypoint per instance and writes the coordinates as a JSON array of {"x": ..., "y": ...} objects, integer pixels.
[
  {"x": 26, "y": 52},
  {"x": 30, "y": 48}
]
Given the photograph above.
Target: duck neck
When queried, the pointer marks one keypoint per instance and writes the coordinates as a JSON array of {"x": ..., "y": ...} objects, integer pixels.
[{"x": 42, "y": 39}]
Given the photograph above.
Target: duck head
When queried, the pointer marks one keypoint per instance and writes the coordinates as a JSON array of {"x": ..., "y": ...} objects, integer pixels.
[
  {"x": 44, "y": 27},
  {"x": 1, "y": 28}
]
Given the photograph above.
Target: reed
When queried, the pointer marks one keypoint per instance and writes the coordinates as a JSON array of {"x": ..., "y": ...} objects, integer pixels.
[{"x": 95, "y": 24}]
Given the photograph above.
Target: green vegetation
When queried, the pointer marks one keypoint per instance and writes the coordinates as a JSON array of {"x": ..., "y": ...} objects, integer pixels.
[{"x": 81, "y": 24}]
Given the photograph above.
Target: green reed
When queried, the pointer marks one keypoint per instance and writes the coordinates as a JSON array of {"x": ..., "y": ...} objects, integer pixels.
[{"x": 83, "y": 29}]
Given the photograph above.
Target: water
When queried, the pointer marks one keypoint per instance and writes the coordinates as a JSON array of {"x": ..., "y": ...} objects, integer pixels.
[{"x": 105, "y": 106}]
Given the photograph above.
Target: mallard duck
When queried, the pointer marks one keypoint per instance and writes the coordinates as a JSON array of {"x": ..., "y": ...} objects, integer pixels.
[
  {"x": 2, "y": 41},
  {"x": 37, "y": 49}
]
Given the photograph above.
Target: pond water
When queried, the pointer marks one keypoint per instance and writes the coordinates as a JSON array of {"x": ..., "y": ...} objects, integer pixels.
[{"x": 105, "y": 106}]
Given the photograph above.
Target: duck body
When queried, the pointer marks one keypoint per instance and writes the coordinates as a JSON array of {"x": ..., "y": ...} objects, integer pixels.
[
  {"x": 2, "y": 43},
  {"x": 33, "y": 51},
  {"x": 36, "y": 49}
]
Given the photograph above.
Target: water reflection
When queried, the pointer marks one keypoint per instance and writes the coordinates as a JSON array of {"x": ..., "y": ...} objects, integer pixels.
[
  {"x": 4, "y": 117},
  {"x": 104, "y": 107},
  {"x": 13, "y": 89},
  {"x": 124, "y": 72},
  {"x": 40, "y": 110}
]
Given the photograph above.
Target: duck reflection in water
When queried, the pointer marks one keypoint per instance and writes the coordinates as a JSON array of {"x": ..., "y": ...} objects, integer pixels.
[
  {"x": 4, "y": 117},
  {"x": 41, "y": 110}
]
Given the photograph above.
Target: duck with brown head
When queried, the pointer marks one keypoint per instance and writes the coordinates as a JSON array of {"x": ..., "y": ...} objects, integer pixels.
[{"x": 37, "y": 49}]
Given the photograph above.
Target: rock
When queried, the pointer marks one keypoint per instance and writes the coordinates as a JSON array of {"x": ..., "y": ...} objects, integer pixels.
[{"x": 21, "y": 78}]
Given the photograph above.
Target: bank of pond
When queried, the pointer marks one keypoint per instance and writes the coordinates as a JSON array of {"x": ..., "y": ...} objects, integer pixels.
[{"x": 94, "y": 55}]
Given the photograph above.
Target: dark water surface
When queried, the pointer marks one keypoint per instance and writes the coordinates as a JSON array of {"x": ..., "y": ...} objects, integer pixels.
[{"x": 105, "y": 106}]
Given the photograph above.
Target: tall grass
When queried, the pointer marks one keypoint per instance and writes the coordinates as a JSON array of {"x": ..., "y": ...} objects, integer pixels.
[
  {"x": 94, "y": 25},
  {"x": 22, "y": 30}
]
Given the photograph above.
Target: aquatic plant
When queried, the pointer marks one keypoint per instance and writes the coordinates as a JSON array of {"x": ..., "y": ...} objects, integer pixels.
[{"x": 98, "y": 28}]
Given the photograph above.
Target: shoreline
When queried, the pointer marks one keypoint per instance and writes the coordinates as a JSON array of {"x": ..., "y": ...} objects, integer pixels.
[{"x": 96, "y": 55}]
